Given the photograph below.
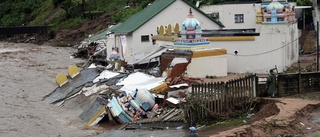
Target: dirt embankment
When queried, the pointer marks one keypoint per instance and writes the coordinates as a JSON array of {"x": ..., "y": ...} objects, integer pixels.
[
  {"x": 73, "y": 36},
  {"x": 281, "y": 117}
]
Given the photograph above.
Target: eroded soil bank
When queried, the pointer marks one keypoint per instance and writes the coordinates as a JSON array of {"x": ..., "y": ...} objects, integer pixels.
[{"x": 281, "y": 117}]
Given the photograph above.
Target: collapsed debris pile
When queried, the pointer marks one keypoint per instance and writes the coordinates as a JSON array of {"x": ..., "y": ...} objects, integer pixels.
[
  {"x": 121, "y": 96},
  {"x": 110, "y": 90}
]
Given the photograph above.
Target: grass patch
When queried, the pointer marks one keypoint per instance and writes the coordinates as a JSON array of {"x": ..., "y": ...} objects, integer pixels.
[{"x": 232, "y": 122}]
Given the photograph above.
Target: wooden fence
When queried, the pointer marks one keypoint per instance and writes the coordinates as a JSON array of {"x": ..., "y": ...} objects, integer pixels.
[
  {"x": 218, "y": 97},
  {"x": 295, "y": 83}
]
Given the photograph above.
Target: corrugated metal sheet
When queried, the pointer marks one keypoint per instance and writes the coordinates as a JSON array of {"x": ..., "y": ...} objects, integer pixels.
[{"x": 72, "y": 87}]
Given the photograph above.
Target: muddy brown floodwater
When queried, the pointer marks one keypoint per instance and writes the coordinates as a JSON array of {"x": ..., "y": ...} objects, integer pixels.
[{"x": 27, "y": 74}]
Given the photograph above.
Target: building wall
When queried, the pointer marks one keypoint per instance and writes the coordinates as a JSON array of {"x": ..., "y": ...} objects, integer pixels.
[
  {"x": 277, "y": 45},
  {"x": 215, "y": 66},
  {"x": 175, "y": 13},
  {"x": 228, "y": 11}
]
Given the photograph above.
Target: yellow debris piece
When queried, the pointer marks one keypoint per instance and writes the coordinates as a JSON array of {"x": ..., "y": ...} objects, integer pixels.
[
  {"x": 73, "y": 71},
  {"x": 160, "y": 88},
  {"x": 98, "y": 115},
  {"x": 61, "y": 79},
  {"x": 207, "y": 53}
]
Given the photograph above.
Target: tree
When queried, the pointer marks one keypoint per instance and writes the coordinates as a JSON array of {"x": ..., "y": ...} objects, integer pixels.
[
  {"x": 83, "y": 6},
  {"x": 66, "y": 5},
  {"x": 56, "y": 3},
  {"x": 207, "y": 2}
]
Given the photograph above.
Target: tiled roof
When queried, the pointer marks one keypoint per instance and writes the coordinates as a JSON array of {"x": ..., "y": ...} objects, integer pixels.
[{"x": 140, "y": 18}]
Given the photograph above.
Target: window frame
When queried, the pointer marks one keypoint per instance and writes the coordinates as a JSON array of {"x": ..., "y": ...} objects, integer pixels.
[
  {"x": 145, "y": 38},
  {"x": 238, "y": 18}
]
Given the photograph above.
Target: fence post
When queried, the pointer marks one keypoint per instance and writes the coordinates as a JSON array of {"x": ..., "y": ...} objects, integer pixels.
[
  {"x": 226, "y": 90},
  {"x": 216, "y": 97},
  {"x": 223, "y": 92},
  {"x": 299, "y": 78},
  {"x": 220, "y": 96},
  {"x": 255, "y": 87}
]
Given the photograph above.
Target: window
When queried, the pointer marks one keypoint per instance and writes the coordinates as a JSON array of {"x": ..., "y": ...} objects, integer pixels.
[
  {"x": 268, "y": 19},
  {"x": 214, "y": 15},
  {"x": 280, "y": 19},
  {"x": 145, "y": 38},
  {"x": 238, "y": 18}
]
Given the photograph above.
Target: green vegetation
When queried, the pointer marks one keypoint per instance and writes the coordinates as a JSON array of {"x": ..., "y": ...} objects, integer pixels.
[
  {"x": 316, "y": 135},
  {"x": 16, "y": 12},
  {"x": 232, "y": 122},
  {"x": 63, "y": 14}
]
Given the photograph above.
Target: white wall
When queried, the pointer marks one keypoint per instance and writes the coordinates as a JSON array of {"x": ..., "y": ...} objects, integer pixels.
[
  {"x": 215, "y": 66},
  {"x": 266, "y": 51},
  {"x": 227, "y": 12}
]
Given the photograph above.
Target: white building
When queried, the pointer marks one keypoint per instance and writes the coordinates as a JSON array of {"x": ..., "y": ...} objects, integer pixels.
[
  {"x": 255, "y": 39},
  {"x": 275, "y": 42},
  {"x": 133, "y": 37}
]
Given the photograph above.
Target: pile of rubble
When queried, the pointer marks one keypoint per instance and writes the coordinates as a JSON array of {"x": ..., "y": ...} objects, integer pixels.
[{"x": 112, "y": 93}]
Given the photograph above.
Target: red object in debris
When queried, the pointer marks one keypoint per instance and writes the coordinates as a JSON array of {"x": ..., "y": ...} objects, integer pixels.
[{"x": 181, "y": 94}]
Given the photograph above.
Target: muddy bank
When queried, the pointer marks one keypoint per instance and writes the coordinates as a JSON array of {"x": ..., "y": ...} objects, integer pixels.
[{"x": 281, "y": 117}]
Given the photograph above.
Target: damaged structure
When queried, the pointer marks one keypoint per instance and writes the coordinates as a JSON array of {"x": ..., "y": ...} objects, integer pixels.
[
  {"x": 124, "y": 86},
  {"x": 116, "y": 97}
]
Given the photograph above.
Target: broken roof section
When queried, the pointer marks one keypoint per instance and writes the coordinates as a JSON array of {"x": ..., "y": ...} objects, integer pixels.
[{"x": 72, "y": 87}]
